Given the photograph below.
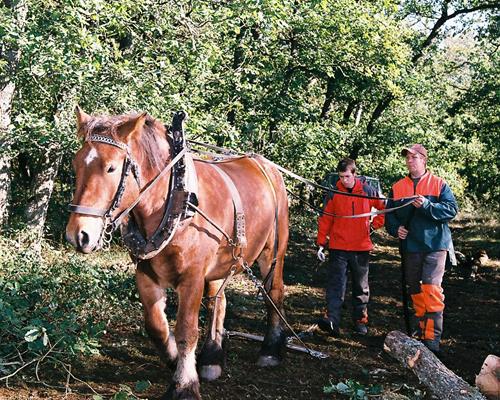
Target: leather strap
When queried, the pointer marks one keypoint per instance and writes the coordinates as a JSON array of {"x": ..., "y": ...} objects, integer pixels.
[
  {"x": 95, "y": 212},
  {"x": 239, "y": 217}
]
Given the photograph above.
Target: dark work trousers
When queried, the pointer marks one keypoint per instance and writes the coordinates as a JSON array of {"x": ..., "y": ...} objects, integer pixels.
[
  {"x": 339, "y": 263},
  {"x": 424, "y": 274}
]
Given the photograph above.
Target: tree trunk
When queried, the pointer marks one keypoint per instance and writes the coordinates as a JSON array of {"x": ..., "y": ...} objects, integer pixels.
[
  {"x": 43, "y": 185},
  {"x": 359, "y": 112},
  {"x": 348, "y": 112},
  {"x": 330, "y": 93},
  {"x": 419, "y": 52},
  {"x": 381, "y": 107},
  {"x": 11, "y": 56},
  {"x": 431, "y": 372},
  {"x": 237, "y": 63}
]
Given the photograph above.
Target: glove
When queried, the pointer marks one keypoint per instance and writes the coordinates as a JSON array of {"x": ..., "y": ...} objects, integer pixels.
[{"x": 321, "y": 254}]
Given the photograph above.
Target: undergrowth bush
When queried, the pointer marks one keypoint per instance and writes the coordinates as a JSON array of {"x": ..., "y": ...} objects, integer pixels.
[{"x": 55, "y": 307}]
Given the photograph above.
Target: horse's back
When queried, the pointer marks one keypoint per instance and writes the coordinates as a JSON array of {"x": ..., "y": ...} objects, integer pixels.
[{"x": 260, "y": 187}]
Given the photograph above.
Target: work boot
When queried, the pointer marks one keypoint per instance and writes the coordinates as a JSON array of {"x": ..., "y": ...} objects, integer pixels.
[
  {"x": 432, "y": 345},
  {"x": 360, "y": 328},
  {"x": 327, "y": 326}
]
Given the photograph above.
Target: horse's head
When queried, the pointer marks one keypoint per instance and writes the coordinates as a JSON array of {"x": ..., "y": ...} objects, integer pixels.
[{"x": 108, "y": 175}]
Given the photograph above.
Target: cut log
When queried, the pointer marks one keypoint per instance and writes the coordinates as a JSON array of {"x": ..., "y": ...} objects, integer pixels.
[
  {"x": 488, "y": 380},
  {"x": 431, "y": 372}
]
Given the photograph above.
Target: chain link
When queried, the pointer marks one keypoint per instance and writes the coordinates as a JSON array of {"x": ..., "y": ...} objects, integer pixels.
[{"x": 262, "y": 289}]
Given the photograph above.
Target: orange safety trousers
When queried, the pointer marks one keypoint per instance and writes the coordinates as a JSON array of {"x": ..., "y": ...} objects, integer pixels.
[
  {"x": 424, "y": 273},
  {"x": 429, "y": 306}
]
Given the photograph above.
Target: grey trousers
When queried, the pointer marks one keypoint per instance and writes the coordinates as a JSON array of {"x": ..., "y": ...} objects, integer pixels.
[{"x": 339, "y": 263}]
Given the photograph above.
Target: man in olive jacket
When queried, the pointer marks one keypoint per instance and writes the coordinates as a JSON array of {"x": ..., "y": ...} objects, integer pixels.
[{"x": 425, "y": 238}]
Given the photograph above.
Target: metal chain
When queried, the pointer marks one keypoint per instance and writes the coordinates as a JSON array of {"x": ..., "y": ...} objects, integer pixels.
[{"x": 261, "y": 288}]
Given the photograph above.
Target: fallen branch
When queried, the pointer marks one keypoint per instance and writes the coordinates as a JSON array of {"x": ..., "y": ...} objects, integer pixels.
[{"x": 431, "y": 372}]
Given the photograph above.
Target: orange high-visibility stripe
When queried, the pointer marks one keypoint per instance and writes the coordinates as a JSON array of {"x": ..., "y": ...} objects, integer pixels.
[
  {"x": 418, "y": 304},
  {"x": 429, "y": 185},
  {"x": 428, "y": 333},
  {"x": 433, "y": 297}
]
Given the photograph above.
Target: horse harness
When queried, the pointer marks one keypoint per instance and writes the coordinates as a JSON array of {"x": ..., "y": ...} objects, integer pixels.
[
  {"x": 181, "y": 191},
  {"x": 181, "y": 202}
]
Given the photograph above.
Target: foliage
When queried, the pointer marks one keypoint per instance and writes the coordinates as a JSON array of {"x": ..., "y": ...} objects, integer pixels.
[
  {"x": 357, "y": 391},
  {"x": 299, "y": 82},
  {"x": 353, "y": 389},
  {"x": 55, "y": 309}
]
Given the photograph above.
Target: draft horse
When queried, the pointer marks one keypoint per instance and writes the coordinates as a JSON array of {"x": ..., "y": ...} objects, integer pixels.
[{"x": 198, "y": 255}]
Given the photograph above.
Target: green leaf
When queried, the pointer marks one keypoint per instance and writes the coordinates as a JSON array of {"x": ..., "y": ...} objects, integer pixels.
[
  {"x": 141, "y": 386},
  {"x": 342, "y": 388},
  {"x": 376, "y": 389},
  {"x": 121, "y": 396}
]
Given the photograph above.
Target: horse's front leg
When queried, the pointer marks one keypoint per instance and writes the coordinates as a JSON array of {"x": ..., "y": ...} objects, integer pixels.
[
  {"x": 185, "y": 383},
  {"x": 153, "y": 300},
  {"x": 211, "y": 357}
]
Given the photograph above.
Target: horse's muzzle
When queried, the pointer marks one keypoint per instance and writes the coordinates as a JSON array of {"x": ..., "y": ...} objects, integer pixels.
[{"x": 82, "y": 242}]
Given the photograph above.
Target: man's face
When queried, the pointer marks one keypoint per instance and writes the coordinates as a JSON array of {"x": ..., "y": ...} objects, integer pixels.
[
  {"x": 348, "y": 179},
  {"x": 415, "y": 164}
]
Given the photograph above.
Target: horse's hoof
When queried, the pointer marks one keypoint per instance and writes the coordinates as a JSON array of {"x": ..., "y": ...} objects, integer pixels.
[
  {"x": 210, "y": 372},
  {"x": 189, "y": 392},
  {"x": 268, "y": 361}
]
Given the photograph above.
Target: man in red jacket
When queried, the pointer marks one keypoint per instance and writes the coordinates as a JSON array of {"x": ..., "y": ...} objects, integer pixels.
[{"x": 349, "y": 243}]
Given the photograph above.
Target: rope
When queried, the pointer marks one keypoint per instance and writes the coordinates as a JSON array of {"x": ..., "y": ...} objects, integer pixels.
[
  {"x": 197, "y": 209},
  {"x": 232, "y": 153},
  {"x": 368, "y": 214}
]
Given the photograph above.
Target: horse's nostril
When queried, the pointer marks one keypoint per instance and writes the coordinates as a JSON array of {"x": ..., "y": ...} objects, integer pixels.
[{"x": 83, "y": 239}]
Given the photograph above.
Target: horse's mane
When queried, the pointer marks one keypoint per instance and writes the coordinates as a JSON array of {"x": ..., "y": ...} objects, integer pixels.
[{"x": 149, "y": 142}]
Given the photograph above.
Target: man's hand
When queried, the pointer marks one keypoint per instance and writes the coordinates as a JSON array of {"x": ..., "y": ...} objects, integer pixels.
[
  {"x": 419, "y": 201},
  {"x": 402, "y": 232},
  {"x": 321, "y": 254}
]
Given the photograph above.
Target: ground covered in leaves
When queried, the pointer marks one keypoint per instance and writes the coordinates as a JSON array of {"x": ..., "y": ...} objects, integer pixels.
[{"x": 127, "y": 366}]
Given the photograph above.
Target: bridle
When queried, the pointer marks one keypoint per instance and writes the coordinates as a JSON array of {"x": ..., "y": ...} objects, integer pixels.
[
  {"x": 129, "y": 165},
  {"x": 176, "y": 204}
]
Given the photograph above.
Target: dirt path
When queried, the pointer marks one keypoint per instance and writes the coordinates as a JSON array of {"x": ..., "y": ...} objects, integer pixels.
[{"x": 471, "y": 333}]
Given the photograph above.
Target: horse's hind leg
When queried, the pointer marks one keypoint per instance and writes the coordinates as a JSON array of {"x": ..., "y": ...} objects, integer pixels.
[
  {"x": 153, "y": 300},
  {"x": 274, "y": 340},
  {"x": 211, "y": 357}
]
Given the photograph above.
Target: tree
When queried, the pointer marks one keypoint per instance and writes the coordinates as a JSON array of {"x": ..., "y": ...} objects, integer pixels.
[{"x": 13, "y": 20}]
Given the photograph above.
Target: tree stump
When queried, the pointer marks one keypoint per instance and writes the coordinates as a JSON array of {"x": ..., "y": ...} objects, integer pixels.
[{"x": 431, "y": 372}]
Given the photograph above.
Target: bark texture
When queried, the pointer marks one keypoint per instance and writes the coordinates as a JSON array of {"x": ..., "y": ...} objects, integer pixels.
[
  {"x": 43, "y": 185},
  {"x": 9, "y": 54},
  {"x": 431, "y": 372}
]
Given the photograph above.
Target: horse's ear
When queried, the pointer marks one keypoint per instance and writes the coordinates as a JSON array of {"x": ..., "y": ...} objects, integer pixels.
[
  {"x": 81, "y": 117},
  {"x": 133, "y": 126}
]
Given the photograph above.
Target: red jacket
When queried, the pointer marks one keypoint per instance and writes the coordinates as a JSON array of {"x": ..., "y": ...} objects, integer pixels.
[{"x": 350, "y": 234}]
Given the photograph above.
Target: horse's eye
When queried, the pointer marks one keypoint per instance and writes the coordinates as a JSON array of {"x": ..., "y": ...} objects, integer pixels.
[{"x": 111, "y": 169}]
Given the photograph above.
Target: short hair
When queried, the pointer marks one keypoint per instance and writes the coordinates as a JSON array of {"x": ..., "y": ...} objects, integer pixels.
[{"x": 346, "y": 164}]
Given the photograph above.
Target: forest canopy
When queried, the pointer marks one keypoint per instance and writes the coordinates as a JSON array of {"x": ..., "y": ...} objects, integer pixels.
[{"x": 304, "y": 83}]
